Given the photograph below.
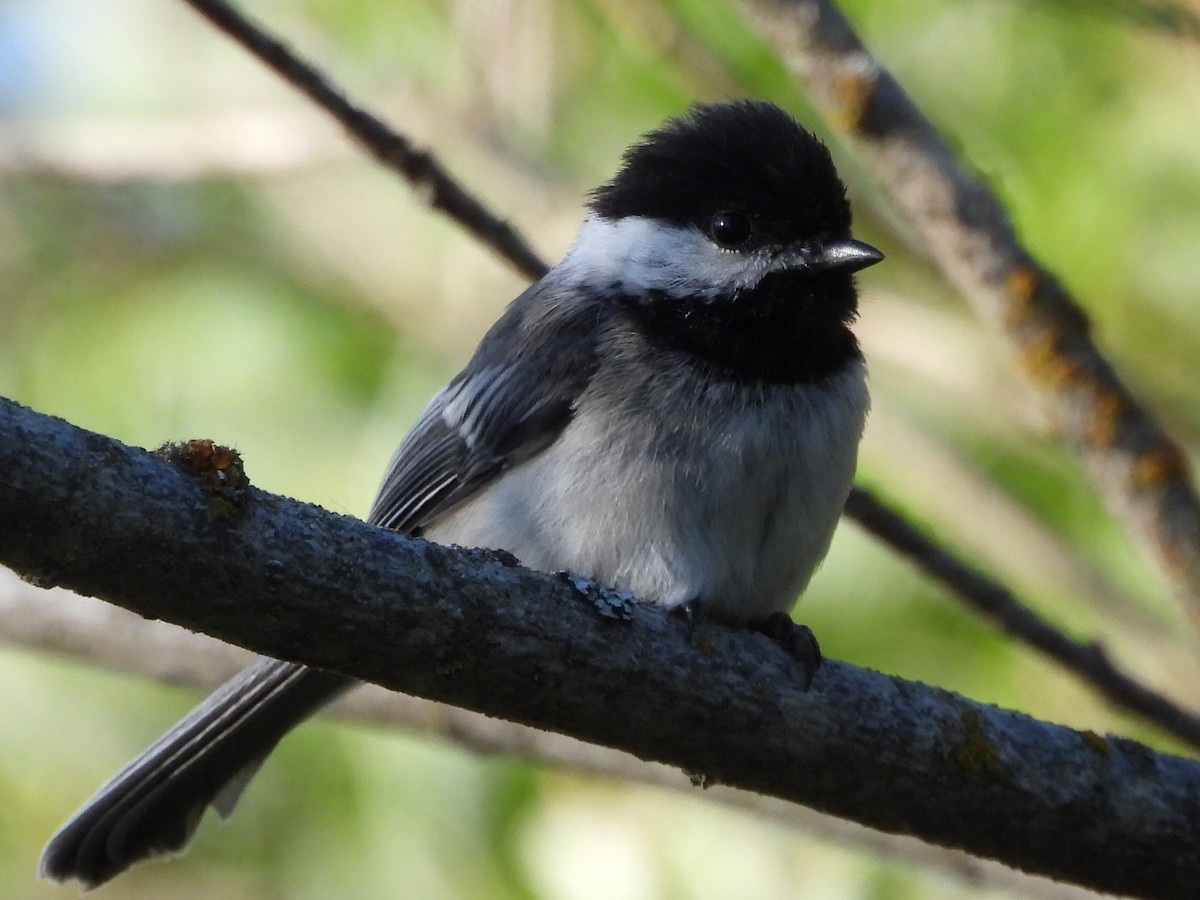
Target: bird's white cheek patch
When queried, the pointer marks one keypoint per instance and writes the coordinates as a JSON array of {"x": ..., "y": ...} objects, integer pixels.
[{"x": 643, "y": 255}]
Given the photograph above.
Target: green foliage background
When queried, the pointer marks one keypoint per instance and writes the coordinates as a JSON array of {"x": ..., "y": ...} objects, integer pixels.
[{"x": 188, "y": 250}]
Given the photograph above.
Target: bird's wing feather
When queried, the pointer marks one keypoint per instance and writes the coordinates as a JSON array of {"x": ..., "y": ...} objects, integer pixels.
[{"x": 513, "y": 399}]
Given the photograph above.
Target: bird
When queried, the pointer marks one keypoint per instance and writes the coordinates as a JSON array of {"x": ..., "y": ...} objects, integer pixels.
[{"x": 673, "y": 410}]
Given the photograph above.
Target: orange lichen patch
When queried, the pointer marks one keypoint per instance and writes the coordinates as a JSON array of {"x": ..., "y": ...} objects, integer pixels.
[
  {"x": 218, "y": 465},
  {"x": 1045, "y": 362},
  {"x": 219, "y": 468},
  {"x": 1100, "y": 432},
  {"x": 1163, "y": 463},
  {"x": 1177, "y": 560},
  {"x": 1107, "y": 406},
  {"x": 1020, "y": 287},
  {"x": 852, "y": 92}
]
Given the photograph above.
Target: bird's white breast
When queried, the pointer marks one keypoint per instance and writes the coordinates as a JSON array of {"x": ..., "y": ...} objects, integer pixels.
[{"x": 733, "y": 502}]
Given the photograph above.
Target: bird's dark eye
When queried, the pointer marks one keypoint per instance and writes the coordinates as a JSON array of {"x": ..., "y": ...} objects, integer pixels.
[{"x": 729, "y": 229}]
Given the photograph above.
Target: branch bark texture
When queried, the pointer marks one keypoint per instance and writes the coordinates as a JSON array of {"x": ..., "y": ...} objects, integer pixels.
[
  {"x": 470, "y": 628},
  {"x": 102, "y": 635}
]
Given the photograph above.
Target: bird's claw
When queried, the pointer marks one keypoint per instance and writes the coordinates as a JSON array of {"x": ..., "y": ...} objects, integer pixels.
[{"x": 798, "y": 640}]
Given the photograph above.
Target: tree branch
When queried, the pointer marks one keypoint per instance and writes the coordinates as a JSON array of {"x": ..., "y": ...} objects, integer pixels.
[
  {"x": 471, "y": 629},
  {"x": 1141, "y": 473},
  {"x": 1000, "y": 606},
  {"x": 1167, "y": 17},
  {"x": 430, "y": 181},
  {"x": 99, "y": 634}
]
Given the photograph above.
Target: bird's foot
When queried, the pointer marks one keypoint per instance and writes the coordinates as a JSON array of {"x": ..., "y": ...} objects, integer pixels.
[
  {"x": 798, "y": 640},
  {"x": 693, "y": 612}
]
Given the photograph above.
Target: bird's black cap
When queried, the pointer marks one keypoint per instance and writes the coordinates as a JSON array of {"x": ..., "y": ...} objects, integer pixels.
[{"x": 748, "y": 156}]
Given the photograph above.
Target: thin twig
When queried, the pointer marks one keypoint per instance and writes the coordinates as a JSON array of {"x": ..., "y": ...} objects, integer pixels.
[
  {"x": 430, "y": 181},
  {"x": 1165, "y": 17},
  {"x": 1001, "y": 606},
  {"x": 1138, "y": 469}
]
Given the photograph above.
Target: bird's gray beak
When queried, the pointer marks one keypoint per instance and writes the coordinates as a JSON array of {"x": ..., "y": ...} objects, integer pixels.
[{"x": 842, "y": 256}]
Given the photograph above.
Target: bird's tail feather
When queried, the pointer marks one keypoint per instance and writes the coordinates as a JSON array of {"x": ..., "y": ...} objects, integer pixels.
[{"x": 154, "y": 804}]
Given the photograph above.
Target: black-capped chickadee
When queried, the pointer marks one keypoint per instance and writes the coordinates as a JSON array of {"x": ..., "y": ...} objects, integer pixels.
[{"x": 673, "y": 410}]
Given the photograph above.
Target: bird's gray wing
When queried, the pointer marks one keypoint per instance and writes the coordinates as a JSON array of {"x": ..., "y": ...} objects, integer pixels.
[{"x": 513, "y": 399}]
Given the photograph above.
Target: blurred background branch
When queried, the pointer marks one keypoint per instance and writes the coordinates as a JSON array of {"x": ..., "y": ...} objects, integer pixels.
[
  {"x": 1139, "y": 470},
  {"x": 1171, "y": 17},
  {"x": 993, "y": 601},
  {"x": 249, "y": 143},
  {"x": 427, "y": 177}
]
